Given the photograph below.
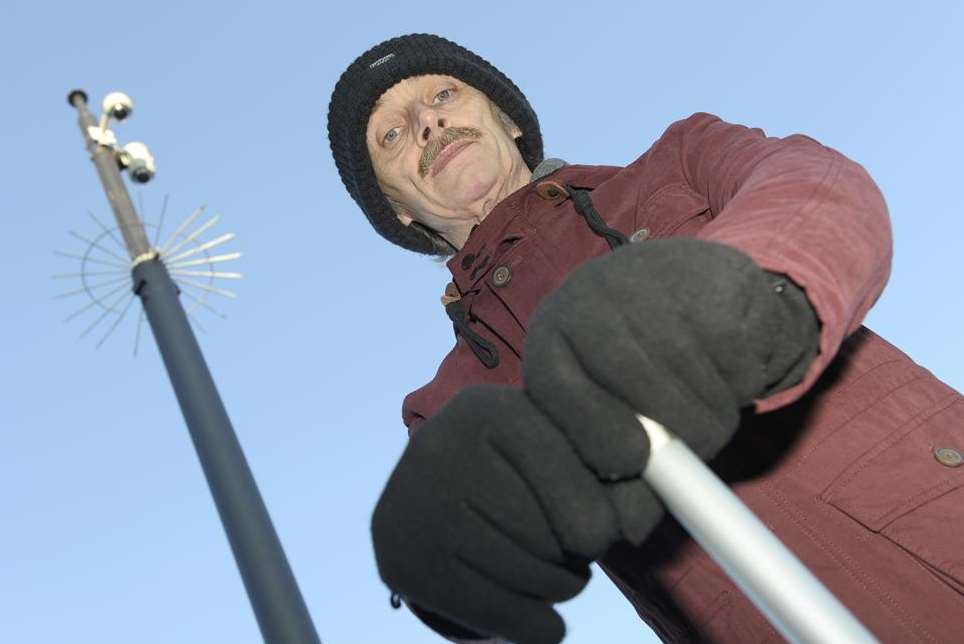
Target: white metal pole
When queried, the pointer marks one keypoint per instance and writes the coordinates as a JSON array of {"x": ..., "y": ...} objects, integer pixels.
[{"x": 786, "y": 592}]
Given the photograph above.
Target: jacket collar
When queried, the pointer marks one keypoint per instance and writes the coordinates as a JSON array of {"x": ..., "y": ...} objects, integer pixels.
[{"x": 508, "y": 221}]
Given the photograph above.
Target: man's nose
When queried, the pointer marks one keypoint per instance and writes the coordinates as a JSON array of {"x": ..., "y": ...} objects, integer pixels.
[{"x": 429, "y": 124}]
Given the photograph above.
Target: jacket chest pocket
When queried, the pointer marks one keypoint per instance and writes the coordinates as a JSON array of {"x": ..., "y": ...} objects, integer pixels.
[
  {"x": 910, "y": 489},
  {"x": 674, "y": 209},
  {"x": 511, "y": 290}
]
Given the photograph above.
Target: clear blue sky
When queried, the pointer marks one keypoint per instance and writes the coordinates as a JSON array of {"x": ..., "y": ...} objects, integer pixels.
[{"x": 109, "y": 533}]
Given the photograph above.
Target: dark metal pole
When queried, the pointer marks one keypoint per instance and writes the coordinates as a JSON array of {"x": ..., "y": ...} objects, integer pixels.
[
  {"x": 271, "y": 586},
  {"x": 278, "y": 605}
]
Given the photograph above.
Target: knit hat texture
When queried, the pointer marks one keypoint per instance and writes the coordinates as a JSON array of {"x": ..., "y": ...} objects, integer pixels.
[{"x": 377, "y": 70}]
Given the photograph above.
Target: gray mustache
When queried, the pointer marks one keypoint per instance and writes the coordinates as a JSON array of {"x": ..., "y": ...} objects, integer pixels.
[{"x": 435, "y": 147}]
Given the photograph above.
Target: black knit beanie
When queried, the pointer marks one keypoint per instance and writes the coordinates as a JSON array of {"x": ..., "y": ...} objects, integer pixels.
[{"x": 369, "y": 77}]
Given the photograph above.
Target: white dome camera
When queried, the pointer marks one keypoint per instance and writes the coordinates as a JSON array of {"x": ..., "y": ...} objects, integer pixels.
[
  {"x": 117, "y": 105},
  {"x": 139, "y": 161}
]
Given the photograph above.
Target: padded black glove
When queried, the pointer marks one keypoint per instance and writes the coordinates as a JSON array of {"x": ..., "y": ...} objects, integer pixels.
[
  {"x": 683, "y": 331},
  {"x": 490, "y": 517}
]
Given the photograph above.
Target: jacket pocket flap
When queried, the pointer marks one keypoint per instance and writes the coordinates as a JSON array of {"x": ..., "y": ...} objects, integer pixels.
[
  {"x": 932, "y": 533},
  {"x": 902, "y": 472}
]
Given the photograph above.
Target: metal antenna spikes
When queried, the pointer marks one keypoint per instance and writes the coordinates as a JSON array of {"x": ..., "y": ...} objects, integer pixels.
[
  {"x": 115, "y": 267},
  {"x": 104, "y": 266}
]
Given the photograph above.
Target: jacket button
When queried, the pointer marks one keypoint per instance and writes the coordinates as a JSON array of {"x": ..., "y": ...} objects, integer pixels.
[
  {"x": 550, "y": 190},
  {"x": 640, "y": 235},
  {"x": 948, "y": 456},
  {"x": 501, "y": 276}
]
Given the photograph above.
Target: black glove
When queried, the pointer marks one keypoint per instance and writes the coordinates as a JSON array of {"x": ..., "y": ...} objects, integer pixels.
[
  {"x": 490, "y": 517},
  {"x": 680, "y": 330}
]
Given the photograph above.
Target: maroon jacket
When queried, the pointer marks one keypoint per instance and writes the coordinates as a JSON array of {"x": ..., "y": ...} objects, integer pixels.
[{"x": 843, "y": 467}]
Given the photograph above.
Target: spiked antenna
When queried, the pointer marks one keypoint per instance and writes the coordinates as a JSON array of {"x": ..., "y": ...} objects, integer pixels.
[
  {"x": 160, "y": 223},
  {"x": 184, "y": 224},
  {"x": 84, "y": 258},
  {"x": 207, "y": 260},
  {"x": 278, "y": 605},
  {"x": 194, "y": 235},
  {"x": 102, "y": 251}
]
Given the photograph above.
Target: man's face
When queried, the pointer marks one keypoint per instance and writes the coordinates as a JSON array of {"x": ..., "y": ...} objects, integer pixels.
[{"x": 441, "y": 152}]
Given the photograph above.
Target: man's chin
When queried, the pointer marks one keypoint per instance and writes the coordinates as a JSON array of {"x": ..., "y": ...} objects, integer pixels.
[{"x": 465, "y": 187}]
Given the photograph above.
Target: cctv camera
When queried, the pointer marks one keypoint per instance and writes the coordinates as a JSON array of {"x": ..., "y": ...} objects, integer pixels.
[
  {"x": 139, "y": 161},
  {"x": 118, "y": 105}
]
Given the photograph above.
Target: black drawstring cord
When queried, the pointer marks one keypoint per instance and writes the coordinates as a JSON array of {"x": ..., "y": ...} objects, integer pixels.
[
  {"x": 484, "y": 350},
  {"x": 583, "y": 204}
]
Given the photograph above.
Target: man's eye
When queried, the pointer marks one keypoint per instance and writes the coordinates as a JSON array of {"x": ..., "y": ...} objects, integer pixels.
[
  {"x": 443, "y": 96},
  {"x": 390, "y": 136}
]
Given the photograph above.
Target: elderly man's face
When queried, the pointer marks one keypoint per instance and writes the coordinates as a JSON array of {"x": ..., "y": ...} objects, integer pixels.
[{"x": 442, "y": 153}]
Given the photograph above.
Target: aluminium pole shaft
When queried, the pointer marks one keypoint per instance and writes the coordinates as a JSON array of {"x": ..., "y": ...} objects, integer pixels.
[
  {"x": 277, "y": 602},
  {"x": 798, "y": 605}
]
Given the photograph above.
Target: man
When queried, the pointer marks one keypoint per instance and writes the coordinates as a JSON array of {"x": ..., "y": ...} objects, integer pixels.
[{"x": 717, "y": 285}]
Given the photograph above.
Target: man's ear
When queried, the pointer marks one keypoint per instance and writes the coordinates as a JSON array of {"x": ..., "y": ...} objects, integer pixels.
[
  {"x": 400, "y": 212},
  {"x": 510, "y": 127}
]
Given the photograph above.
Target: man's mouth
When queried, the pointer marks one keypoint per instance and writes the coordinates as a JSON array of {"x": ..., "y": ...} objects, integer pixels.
[{"x": 449, "y": 153}]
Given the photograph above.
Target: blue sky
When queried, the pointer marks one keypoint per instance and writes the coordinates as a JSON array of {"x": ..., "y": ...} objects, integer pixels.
[{"x": 109, "y": 533}]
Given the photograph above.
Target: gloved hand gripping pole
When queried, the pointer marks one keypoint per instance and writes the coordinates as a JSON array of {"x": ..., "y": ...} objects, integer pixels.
[{"x": 278, "y": 605}]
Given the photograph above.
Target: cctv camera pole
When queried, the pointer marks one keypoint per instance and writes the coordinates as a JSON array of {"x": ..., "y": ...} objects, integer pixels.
[
  {"x": 278, "y": 605},
  {"x": 104, "y": 160}
]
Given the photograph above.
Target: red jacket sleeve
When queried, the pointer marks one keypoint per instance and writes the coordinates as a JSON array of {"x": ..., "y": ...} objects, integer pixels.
[{"x": 798, "y": 208}]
